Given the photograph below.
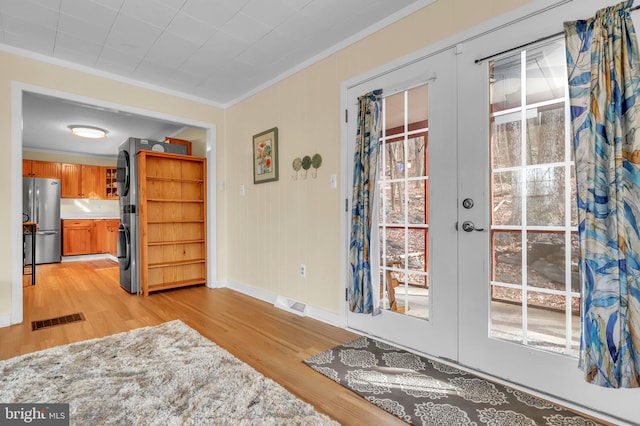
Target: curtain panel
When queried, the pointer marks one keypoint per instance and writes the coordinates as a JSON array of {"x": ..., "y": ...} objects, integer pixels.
[
  {"x": 365, "y": 176},
  {"x": 604, "y": 76}
]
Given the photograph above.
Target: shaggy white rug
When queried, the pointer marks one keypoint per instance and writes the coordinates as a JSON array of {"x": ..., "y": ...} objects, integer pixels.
[{"x": 163, "y": 375}]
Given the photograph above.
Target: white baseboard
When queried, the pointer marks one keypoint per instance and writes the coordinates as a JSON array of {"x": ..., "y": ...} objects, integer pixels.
[
  {"x": 85, "y": 257},
  {"x": 325, "y": 316},
  {"x": 310, "y": 311},
  {"x": 254, "y": 292},
  {"x": 5, "y": 320}
]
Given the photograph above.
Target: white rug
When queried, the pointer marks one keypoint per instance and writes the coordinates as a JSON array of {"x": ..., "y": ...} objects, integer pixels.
[{"x": 163, "y": 375}]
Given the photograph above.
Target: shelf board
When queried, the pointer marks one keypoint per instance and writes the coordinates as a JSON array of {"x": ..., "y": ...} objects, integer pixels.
[
  {"x": 174, "y": 242},
  {"x": 169, "y": 179},
  {"x": 176, "y": 284},
  {"x": 176, "y": 263},
  {"x": 160, "y": 222},
  {"x": 173, "y": 200}
]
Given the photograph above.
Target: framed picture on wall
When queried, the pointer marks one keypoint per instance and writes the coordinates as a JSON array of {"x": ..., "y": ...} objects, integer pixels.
[{"x": 265, "y": 156}]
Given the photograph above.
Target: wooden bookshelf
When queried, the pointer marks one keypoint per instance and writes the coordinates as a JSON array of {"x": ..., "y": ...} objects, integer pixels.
[{"x": 172, "y": 202}]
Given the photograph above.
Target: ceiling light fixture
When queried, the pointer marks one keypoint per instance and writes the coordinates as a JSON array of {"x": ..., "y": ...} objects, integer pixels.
[{"x": 90, "y": 132}]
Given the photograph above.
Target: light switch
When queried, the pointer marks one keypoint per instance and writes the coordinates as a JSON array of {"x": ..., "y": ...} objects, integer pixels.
[
  {"x": 334, "y": 181},
  {"x": 242, "y": 191}
]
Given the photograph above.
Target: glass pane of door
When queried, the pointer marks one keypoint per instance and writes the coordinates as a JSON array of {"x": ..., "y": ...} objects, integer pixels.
[
  {"x": 534, "y": 285},
  {"x": 403, "y": 195}
]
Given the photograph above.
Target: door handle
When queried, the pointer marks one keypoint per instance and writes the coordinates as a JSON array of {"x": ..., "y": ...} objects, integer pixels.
[
  {"x": 123, "y": 242},
  {"x": 37, "y": 207},
  {"x": 468, "y": 226}
]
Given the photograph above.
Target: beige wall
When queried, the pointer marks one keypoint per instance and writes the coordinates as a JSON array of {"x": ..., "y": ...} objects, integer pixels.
[
  {"x": 264, "y": 236},
  {"x": 198, "y": 139},
  {"x": 279, "y": 225},
  {"x": 68, "y": 158},
  {"x": 51, "y": 77}
]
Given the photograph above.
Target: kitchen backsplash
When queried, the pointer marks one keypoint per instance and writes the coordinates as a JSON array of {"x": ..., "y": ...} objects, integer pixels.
[{"x": 82, "y": 207}]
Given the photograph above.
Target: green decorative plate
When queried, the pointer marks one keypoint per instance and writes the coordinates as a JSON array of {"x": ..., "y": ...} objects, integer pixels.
[
  {"x": 297, "y": 163},
  {"x": 306, "y": 162},
  {"x": 316, "y": 161}
]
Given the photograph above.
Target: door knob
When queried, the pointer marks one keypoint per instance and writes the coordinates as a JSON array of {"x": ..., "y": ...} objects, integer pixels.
[{"x": 468, "y": 226}]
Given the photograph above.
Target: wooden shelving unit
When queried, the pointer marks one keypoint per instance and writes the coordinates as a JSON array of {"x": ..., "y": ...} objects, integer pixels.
[{"x": 172, "y": 202}]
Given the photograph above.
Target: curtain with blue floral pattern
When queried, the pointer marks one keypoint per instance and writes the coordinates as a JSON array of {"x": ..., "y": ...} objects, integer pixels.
[
  {"x": 365, "y": 176},
  {"x": 604, "y": 89}
]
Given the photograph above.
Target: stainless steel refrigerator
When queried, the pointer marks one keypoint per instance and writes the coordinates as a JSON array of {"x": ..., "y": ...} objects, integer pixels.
[{"x": 41, "y": 204}]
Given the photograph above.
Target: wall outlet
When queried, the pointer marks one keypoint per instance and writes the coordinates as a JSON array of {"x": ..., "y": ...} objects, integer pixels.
[{"x": 303, "y": 270}]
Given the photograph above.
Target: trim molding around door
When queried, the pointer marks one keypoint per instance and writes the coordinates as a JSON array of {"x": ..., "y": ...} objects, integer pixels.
[{"x": 17, "y": 89}]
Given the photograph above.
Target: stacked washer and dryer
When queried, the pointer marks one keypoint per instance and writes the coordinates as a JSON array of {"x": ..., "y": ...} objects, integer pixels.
[{"x": 127, "y": 179}]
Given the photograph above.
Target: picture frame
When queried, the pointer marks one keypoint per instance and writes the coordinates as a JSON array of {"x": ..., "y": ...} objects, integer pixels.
[{"x": 265, "y": 156}]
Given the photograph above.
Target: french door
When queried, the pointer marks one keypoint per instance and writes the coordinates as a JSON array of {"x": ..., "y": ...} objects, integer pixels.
[
  {"x": 415, "y": 268},
  {"x": 519, "y": 287},
  {"x": 477, "y": 231}
]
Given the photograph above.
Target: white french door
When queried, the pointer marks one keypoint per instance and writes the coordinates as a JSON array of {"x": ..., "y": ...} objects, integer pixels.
[
  {"x": 519, "y": 304},
  {"x": 499, "y": 293},
  {"x": 416, "y": 240}
]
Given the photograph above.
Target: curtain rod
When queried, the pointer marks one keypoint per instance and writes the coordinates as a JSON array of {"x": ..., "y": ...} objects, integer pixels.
[{"x": 477, "y": 61}]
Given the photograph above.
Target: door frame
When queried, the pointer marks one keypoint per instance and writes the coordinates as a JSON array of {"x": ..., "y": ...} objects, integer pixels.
[{"x": 17, "y": 89}]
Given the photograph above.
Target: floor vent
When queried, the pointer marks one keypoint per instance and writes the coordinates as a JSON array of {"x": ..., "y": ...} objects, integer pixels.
[
  {"x": 297, "y": 308},
  {"x": 52, "y": 322}
]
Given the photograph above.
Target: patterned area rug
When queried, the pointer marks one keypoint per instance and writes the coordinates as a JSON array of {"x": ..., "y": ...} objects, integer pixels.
[
  {"x": 425, "y": 392},
  {"x": 163, "y": 375}
]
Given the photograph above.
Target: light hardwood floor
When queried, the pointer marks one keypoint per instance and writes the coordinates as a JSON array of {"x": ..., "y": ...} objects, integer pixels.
[{"x": 272, "y": 341}]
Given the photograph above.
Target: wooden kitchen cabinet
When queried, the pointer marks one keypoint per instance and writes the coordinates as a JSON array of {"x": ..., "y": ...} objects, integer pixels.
[
  {"x": 93, "y": 182},
  {"x": 99, "y": 236},
  {"x": 111, "y": 237},
  {"x": 71, "y": 181},
  {"x": 83, "y": 181},
  {"x": 172, "y": 203},
  {"x": 41, "y": 169},
  {"x": 77, "y": 237},
  {"x": 89, "y": 236},
  {"x": 106, "y": 236},
  {"x": 111, "y": 185}
]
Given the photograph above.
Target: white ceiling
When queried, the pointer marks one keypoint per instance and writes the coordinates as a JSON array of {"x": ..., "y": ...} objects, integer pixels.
[
  {"x": 216, "y": 51},
  {"x": 45, "y": 121}
]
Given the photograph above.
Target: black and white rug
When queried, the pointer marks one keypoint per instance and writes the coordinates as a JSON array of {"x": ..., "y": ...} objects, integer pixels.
[{"x": 425, "y": 392}]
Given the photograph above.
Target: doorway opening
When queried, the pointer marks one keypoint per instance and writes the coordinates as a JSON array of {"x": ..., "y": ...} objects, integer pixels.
[{"x": 17, "y": 92}]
